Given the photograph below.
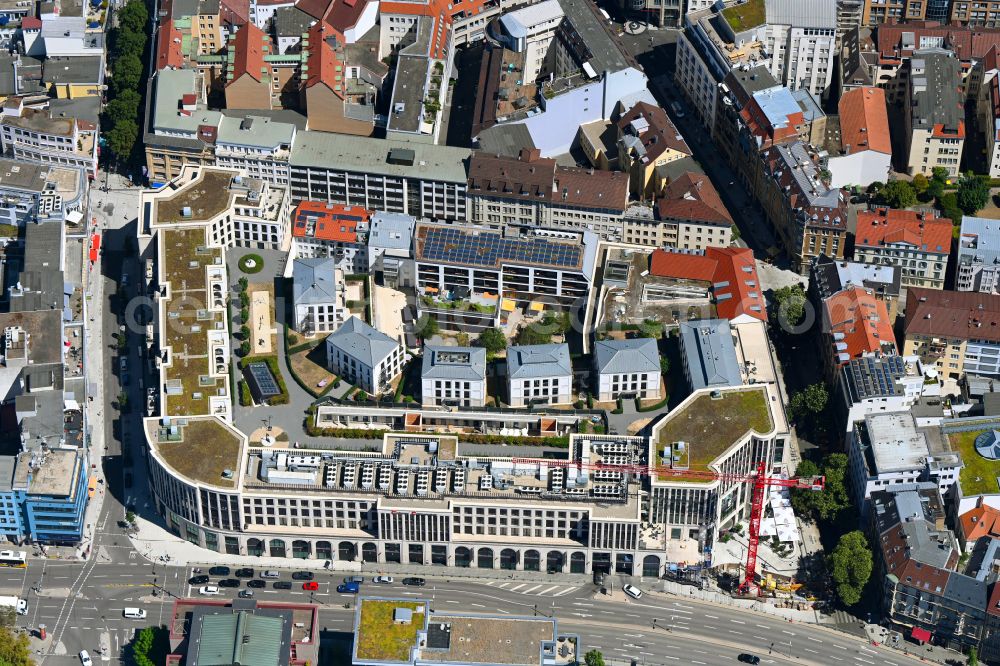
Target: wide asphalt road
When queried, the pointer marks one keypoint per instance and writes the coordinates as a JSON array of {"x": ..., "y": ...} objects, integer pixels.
[{"x": 80, "y": 602}]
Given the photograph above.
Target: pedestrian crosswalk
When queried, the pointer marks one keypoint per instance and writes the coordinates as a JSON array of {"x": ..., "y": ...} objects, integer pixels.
[{"x": 533, "y": 589}]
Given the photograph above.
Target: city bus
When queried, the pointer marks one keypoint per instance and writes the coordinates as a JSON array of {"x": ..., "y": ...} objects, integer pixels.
[{"x": 13, "y": 558}]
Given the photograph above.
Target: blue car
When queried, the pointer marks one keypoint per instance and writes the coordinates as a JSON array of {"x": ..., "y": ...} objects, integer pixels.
[{"x": 349, "y": 588}]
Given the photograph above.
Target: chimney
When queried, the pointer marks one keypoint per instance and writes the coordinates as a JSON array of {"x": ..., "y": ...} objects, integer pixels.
[{"x": 530, "y": 154}]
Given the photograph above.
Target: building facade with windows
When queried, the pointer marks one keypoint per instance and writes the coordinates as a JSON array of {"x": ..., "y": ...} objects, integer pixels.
[
  {"x": 319, "y": 297},
  {"x": 364, "y": 356},
  {"x": 627, "y": 369},
  {"x": 953, "y": 331},
  {"x": 978, "y": 261},
  {"x": 917, "y": 242},
  {"x": 453, "y": 376},
  {"x": 539, "y": 374}
]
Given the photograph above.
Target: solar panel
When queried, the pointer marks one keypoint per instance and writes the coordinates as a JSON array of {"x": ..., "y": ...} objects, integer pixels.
[
  {"x": 265, "y": 381},
  {"x": 490, "y": 249}
]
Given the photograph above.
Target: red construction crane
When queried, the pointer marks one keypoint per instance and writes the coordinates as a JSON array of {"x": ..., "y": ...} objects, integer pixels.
[{"x": 759, "y": 478}]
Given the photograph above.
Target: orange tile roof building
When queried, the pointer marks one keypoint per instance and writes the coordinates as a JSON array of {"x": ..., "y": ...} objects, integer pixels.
[
  {"x": 917, "y": 242},
  {"x": 856, "y": 324},
  {"x": 981, "y": 521},
  {"x": 321, "y": 229},
  {"x": 248, "y": 77},
  {"x": 730, "y": 271},
  {"x": 865, "y": 150},
  {"x": 689, "y": 215}
]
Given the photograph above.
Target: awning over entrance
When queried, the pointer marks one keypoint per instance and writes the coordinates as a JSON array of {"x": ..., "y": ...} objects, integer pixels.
[{"x": 920, "y": 635}]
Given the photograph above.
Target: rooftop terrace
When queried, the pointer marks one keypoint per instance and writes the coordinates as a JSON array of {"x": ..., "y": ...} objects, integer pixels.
[
  {"x": 709, "y": 425},
  {"x": 380, "y": 638},
  {"x": 201, "y": 450},
  {"x": 188, "y": 321},
  {"x": 745, "y": 16},
  {"x": 206, "y": 197}
]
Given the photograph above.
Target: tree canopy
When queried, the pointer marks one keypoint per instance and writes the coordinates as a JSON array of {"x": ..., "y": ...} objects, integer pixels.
[
  {"x": 851, "y": 566},
  {"x": 973, "y": 193},
  {"x": 898, "y": 194},
  {"x": 826, "y": 504},
  {"x": 15, "y": 649},
  {"x": 810, "y": 401},
  {"x": 791, "y": 304},
  {"x": 492, "y": 340},
  {"x": 594, "y": 658}
]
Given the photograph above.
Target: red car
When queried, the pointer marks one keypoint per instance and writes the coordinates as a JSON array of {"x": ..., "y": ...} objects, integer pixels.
[{"x": 311, "y": 586}]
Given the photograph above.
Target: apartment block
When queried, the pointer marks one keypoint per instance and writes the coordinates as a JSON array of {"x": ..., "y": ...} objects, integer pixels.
[
  {"x": 332, "y": 230},
  {"x": 539, "y": 375},
  {"x": 318, "y": 296},
  {"x": 917, "y": 242},
  {"x": 978, "y": 260},
  {"x": 688, "y": 215},
  {"x": 627, "y": 369},
  {"x": 363, "y": 356},
  {"x": 453, "y": 376},
  {"x": 953, "y": 331},
  {"x": 934, "y": 128}
]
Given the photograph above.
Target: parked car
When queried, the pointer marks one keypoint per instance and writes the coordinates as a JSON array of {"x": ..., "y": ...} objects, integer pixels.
[
  {"x": 228, "y": 582},
  {"x": 311, "y": 586},
  {"x": 354, "y": 579},
  {"x": 256, "y": 583},
  {"x": 632, "y": 591},
  {"x": 415, "y": 582},
  {"x": 209, "y": 590},
  {"x": 198, "y": 580},
  {"x": 219, "y": 571},
  {"x": 382, "y": 579},
  {"x": 85, "y": 658},
  {"x": 244, "y": 573},
  {"x": 302, "y": 575},
  {"x": 246, "y": 594},
  {"x": 282, "y": 585},
  {"x": 349, "y": 588}
]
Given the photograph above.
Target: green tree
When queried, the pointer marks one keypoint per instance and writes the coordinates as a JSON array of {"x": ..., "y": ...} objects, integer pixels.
[
  {"x": 810, "y": 401},
  {"x": 973, "y": 193},
  {"x": 594, "y": 658},
  {"x": 851, "y": 566},
  {"x": 735, "y": 231},
  {"x": 826, "y": 504},
  {"x": 128, "y": 42},
  {"x": 650, "y": 329},
  {"x": 920, "y": 183},
  {"x": 244, "y": 348},
  {"x": 935, "y": 189},
  {"x": 134, "y": 16},
  {"x": 141, "y": 647},
  {"x": 429, "y": 328},
  {"x": 15, "y": 649},
  {"x": 534, "y": 334},
  {"x": 875, "y": 187},
  {"x": 121, "y": 137},
  {"x": 664, "y": 365},
  {"x": 492, "y": 340},
  {"x": 244, "y": 315},
  {"x": 973, "y": 659},
  {"x": 244, "y": 332},
  {"x": 791, "y": 303},
  {"x": 244, "y": 283},
  {"x": 122, "y": 107},
  {"x": 127, "y": 73},
  {"x": 948, "y": 203},
  {"x": 898, "y": 194},
  {"x": 939, "y": 174}
]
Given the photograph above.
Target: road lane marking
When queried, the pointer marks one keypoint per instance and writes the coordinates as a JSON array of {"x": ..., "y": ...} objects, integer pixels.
[
  {"x": 530, "y": 589},
  {"x": 517, "y": 587},
  {"x": 547, "y": 590},
  {"x": 714, "y": 617},
  {"x": 738, "y": 621},
  {"x": 566, "y": 591},
  {"x": 839, "y": 647},
  {"x": 814, "y": 640},
  {"x": 808, "y": 650},
  {"x": 785, "y": 631}
]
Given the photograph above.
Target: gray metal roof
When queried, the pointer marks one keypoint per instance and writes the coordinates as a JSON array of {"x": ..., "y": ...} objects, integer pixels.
[
  {"x": 255, "y": 131},
  {"x": 291, "y": 22},
  {"x": 359, "y": 340},
  {"x": 979, "y": 242},
  {"x": 985, "y": 552},
  {"x": 391, "y": 231},
  {"x": 505, "y": 139},
  {"x": 537, "y": 361},
  {"x": 967, "y": 590},
  {"x": 707, "y": 345},
  {"x": 616, "y": 357},
  {"x": 171, "y": 85},
  {"x": 802, "y": 13},
  {"x": 463, "y": 363},
  {"x": 77, "y": 69},
  {"x": 340, "y": 152},
  {"x": 314, "y": 281},
  {"x": 936, "y": 76},
  {"x": 604, "y": 48}
]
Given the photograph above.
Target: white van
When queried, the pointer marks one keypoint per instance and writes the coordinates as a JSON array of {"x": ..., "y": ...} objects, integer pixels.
[
  {"x": 209, "y": 590},
  {"x": 22, "y": 607},
  {"x": 270, "y": 574},
  {"x": 134, "y": 613}
]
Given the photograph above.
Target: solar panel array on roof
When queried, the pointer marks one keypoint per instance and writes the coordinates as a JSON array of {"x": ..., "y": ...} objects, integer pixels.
[
  {"x": 492, "y": 250},
  {"x": 266, "y": 384},
  {"x": 872, "y": 377}
]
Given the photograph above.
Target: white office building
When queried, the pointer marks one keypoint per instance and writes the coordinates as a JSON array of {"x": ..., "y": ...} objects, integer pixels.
[
  {"x": 318, "y": 296},
  {"x": 453, "y": 376},
  {"x": 627, "y": 369},
  {"x": 363, "y": 356},
  {"x": 539, "y": 374},
  {"x": 979, "y": 256},
  {"x": 530, "y": 31}
]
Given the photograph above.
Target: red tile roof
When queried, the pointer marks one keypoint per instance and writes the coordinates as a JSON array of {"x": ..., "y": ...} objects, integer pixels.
[
  {"x": 761, "y": 127},
  {"x": 660, "y": 133},
  {"x": 882, "y": 226},
  {"x": 691, "y": 196},
  {"x": 251, "y": 45},
  {"x": 731, "y": 270},
  {"x": 31, "y": 23},
  {"x": 952, "y": 314},
  {"x": 441, "y": 11},
  {"x": 859, "y": 324},
  {"x": 981, "y": 521},
  {"x": 864, "y": 123},
  {"x": 967, "y": 43},
  {"x": 330, "y": 222},
  {"x": 236, "y": 12},
  {"x": 168, "y": 49},
  {"x": 325, "y": 66}
]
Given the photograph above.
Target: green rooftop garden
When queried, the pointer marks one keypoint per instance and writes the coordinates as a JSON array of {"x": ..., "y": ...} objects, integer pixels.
[
  {"x": 380, "y": 638},
  {"x": 748, "y": 15},
  {"x": 708, "y": 426},
  {"x": 979, "y": 476},
  {"x": 206, "y": 449}
]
